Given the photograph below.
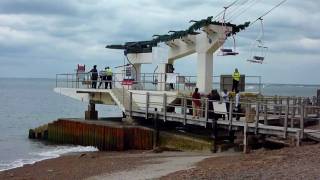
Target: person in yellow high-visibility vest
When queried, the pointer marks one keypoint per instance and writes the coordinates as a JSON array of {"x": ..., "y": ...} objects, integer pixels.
[
  {"x": 236, "y": 79},
  {"x": 109, "y": 77}
]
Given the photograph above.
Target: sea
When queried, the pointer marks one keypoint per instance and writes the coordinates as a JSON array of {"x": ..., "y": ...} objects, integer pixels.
[{"x": 28, "y": 103}]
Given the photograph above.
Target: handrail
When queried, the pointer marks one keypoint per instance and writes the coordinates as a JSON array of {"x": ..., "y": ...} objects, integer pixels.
[
  {"x": 147, "y": 81},
  {"x": 261, "y": 110}
]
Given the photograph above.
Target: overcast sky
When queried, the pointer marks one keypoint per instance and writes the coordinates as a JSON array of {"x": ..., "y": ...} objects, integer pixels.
[{"x": 40, "y": 38}]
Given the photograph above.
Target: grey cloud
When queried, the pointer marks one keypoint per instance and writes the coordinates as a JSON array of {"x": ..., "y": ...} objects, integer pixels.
[
  {"x": 36, "y": 7},
  {"x": 59, "y": 34}
]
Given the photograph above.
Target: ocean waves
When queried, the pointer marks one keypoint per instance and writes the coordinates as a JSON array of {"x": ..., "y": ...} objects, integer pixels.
[{"x": 48, "y": 153}]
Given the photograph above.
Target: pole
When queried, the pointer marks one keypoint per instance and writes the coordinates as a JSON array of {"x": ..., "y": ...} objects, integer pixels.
[
  {"x": 206, "y": 111},
  {"x": 56, "y": 80},
  {"x": 185, "y": 110},
  {"x": 257, "y": 117},
  {"x": 130, "y": 104},
  {"x": 147, "y": 105},
  {"x": 156, "y": 134},
  {"x": 230, "y": 115},
  {"x": 285, "y": 124},
  {"x": 245, "y": 139},
  {"x": 165, "y": 106},
  {"x": 302, "y": 120},
  {"x": 266, "y": 112}
]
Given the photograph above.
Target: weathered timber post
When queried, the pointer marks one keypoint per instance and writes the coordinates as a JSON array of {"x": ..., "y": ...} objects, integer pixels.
[
  {"x": 214, "y": 135},
  {"x": 306, "y": 110},
  {"x": 285, "y": 124},
  {"x": 147, "y": 105},
  {"x": 91, "y": 113},
  {"x": 298, "y": 138},
  {"x": 280, "y": 106},
  {"x": 299, "y": 103},
  {"x": 231, "y": 132},
  {"x": 245, "y": 139},
  {"x": 257, "y": 117},
  {"x": 206, "y": 111},
  {"x": 185, "y": 110},
  {"x": 72, "y": 80},
  {"x": 130, "y": 104},
  {"x": 156, "y": 133},
  {"x": 57, "y": 80},
  {"x": 274, "y": 104},
  {"x": 165, "y": 107},
  {"x": 294, "y": 109},
  {"x": 67, "y": 80},
  {"x": 266, "y": 112},
  {"x": 230, "y": 114},
  {"x": 302, "y": 109}
]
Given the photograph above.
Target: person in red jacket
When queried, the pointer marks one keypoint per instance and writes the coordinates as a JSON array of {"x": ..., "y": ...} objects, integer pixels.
[{"x": 196, "y": 103}]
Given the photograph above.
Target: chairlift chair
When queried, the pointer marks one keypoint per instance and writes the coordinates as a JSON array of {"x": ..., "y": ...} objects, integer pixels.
[
  {"x": 258, "y": 50},
  {"x": 227, "y": 51}
]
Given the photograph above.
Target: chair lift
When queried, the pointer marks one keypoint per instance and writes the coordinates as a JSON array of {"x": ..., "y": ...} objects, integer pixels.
[
  {"x": 227, "y": 51},
  {"x": 258, "y": 50}
]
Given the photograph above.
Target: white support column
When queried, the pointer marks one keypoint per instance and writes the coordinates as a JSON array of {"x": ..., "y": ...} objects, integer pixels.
[
  {"x": 161, "y": 77},
  {"x": 137, "y": 72},
  {"x": 204, "y": 71}
]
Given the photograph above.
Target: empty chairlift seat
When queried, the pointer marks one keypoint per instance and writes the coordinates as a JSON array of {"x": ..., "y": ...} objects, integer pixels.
[
  {"x": 228, "y": 52},
  {"x": 258, "y": 58}
]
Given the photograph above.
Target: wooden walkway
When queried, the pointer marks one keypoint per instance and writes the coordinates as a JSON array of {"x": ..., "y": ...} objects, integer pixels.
[
  {"x": 258, "y": 128},
  {"x": 266, "y": 117}
]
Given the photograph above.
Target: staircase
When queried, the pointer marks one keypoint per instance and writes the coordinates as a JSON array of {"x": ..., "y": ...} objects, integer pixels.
[{"x": 122, "y": 98}]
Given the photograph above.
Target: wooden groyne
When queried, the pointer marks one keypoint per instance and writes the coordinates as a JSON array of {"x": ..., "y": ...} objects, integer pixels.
[{"x": 103, "y": 135}]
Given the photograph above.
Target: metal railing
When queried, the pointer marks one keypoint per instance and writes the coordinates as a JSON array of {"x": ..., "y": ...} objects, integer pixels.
[
  {"x": 284, "y": 118},
  {"x": 148, "y": 81}
]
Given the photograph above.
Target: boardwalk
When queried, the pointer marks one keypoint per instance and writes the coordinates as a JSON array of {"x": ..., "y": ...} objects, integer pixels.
[
  {"x": 285, "y": 120},
  {"x": 274, "y": 116}
]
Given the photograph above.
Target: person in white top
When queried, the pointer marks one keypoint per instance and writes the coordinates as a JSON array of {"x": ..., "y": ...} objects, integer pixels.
[
  {"x": 237, "y": 105},
  {"x": 225, "y": 99}
]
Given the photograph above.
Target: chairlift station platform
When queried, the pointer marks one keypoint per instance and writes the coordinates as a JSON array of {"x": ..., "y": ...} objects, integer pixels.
[{"x": 146, "y": 99}]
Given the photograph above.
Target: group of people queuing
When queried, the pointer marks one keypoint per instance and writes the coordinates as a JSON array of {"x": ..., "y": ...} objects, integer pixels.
[
  {"x": 214, "y": 96},
  {"x": 104, "y": 75},
  {"x": 224, "y": 97}
]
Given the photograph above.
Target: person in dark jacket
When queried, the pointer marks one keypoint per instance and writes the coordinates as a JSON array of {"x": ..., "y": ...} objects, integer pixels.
[
  {"x": 94, "y": 76},
  {"x": 213, "y": 96}
]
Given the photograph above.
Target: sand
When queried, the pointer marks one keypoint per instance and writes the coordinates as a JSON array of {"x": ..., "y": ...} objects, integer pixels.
[
  {"x": 287, "y": 163},
  {"x": 109, "y": 165},
  {"x": 157, "y": 167}
]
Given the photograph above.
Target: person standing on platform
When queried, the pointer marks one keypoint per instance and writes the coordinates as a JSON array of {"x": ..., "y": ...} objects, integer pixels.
[
  {"x": 213, "y": 97},
  {"x": 225, "y": 99},
  {"x": 196, "y": 103},
  {"x": 103, "y": 78},
  {"x": 109, "y": 75},
  {"x": 235, "y": 80},
  {"x": 237, "y": 105},
  {"x": 94, "y": 77}
]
